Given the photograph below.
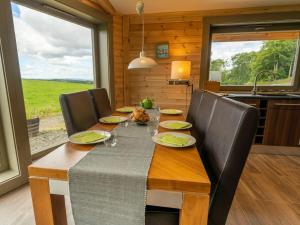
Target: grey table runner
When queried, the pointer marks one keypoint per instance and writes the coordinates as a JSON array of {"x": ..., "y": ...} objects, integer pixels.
[{"x": 108, "y": 186}]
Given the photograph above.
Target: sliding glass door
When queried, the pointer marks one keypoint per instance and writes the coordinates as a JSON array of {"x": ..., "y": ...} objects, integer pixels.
[
  {"x": 46, "y": 49},
  {"x": 55, "y": 57}
]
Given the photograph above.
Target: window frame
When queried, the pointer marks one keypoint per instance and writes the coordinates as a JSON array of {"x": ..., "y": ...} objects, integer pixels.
[
  {"x": 247, "y": 23},
  {"x": 3, "y": 154}
]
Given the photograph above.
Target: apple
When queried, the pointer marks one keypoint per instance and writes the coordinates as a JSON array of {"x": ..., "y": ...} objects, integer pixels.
[{"x": 147, "y": 103}]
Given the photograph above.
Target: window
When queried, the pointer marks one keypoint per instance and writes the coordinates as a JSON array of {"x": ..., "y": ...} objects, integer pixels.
[
  {"x": 237, "y": 58},
  {"x": 237, "y": 49},
  {"x": 55, "y": 57}
]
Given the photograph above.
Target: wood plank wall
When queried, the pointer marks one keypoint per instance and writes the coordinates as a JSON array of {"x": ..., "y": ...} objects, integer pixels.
[
  {"x": 118, "y": 60},
  {"x": 183, "y": 31}
]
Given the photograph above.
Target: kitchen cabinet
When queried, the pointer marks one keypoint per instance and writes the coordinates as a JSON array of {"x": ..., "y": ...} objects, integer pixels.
[
  {"x": 279, "y": 119},
  {"x": 282, "y": 126}
]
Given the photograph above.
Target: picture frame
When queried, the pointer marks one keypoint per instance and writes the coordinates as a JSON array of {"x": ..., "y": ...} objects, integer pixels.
[{"x": 162, "y": 50}]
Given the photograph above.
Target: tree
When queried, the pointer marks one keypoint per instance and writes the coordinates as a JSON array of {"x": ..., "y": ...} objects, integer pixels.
[
  {"x": 217, "y": 65},
  {"x": 241, "y": 69},
  {"x": 276, "y": 56}
]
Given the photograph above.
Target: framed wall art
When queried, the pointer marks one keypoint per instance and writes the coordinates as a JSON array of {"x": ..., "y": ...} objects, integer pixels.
[{"x": 162, "y": 50}]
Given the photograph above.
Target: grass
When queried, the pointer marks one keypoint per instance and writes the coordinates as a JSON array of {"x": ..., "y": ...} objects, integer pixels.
[
  {"x": 286, "y": 81},
  {"x": 280, "y": 82},
  {"x": 42, "y": 96}
]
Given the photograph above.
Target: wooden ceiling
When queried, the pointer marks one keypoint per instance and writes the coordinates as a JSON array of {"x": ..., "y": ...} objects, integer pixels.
[
  {"x": 124, "y": 7},
  {"x": 155, "y": 6},
  {"x": 101, "y": 5}
]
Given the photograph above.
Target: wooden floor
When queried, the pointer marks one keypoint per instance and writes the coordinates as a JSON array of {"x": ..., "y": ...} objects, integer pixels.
[{"x": 268, "y": 194}]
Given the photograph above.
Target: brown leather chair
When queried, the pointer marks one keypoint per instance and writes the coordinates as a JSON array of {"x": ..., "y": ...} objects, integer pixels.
[
  {"x": 224, "y": 151},
  {"x": 78, "y": 111},
  {"x": 101, "y": 102}
]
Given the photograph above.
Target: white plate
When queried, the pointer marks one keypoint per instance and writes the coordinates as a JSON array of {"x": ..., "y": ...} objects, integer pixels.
[
  {"x": 165, "y": 123},
  {"x": 107, "y": 134},
  {"x": 157, "y": 137},
  {"x": 171, "y": 111},
  {"x": 122, "y": 119}
]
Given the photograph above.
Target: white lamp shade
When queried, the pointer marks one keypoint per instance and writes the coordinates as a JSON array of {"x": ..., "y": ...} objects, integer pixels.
[
  {"x": 181, "y": 70},
  {"x": 142, "y": 62}
]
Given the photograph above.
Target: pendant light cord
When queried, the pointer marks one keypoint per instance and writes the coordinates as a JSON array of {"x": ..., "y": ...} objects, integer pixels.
[{"x": 143, "y": 31}]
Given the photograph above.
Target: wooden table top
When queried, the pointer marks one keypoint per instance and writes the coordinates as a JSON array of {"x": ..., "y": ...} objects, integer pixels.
[{"x": 171, "y": 169}]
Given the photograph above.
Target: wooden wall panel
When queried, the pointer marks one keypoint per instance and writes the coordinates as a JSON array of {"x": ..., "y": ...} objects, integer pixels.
[
  {"x": 118, "y": 60},
  {"x": 183, "y": 31}
]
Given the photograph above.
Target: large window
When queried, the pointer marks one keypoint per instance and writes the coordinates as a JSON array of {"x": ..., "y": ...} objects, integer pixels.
[
  {"x": 237, "y": 58},
  {"x": 238, "y": 50},
  {"x": 55, "y": 57}
]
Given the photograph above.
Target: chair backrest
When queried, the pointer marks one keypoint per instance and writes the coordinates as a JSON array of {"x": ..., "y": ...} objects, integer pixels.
[
  {"x": 195, "y": 101},
  {"x": 78, "y": 111},
  {"x": 101, "y": 102},
  {"x": 200, "y": 111},
  {"x": 225, "y": 149}
]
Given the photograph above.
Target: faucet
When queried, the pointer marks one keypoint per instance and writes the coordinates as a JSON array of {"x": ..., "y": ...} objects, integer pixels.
[{"x": 254, "y": 90}]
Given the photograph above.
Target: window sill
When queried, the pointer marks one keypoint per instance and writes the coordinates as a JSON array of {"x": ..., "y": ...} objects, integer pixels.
[{"x": 8, "y": 175}]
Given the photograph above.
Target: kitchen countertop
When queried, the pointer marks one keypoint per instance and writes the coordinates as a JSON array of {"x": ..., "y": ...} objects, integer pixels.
[{"x": 262, "y": 95}]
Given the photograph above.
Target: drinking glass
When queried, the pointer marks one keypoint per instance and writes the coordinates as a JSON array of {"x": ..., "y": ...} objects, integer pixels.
[
  {"x": 124, "y": 124},
  {"x": 112, "y": 141},
  {"x": 153, "y": 125}
]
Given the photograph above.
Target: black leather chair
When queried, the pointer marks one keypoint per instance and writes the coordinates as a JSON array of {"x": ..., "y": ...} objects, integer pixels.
[
  {"x": 224, "y": 151},
  {"x": 78, "y": 111},
  {"x": 199, "y": 114},
  {"x": 101, "y": 102}
]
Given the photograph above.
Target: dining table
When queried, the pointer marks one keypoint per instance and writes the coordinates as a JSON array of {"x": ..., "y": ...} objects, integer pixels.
[{"x": 176, "y": 179}]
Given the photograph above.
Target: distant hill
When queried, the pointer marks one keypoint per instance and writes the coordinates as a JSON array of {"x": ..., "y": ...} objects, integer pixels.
[{"x": 63, "y": 80}]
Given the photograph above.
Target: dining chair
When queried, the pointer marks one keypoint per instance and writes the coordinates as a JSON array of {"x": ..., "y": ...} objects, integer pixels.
[
  {"x": 101, "y": 102},
  {"x": 78, "y": 111},
  {"x": 200, "y": 111},
  {"x": 224, "y": 151}
]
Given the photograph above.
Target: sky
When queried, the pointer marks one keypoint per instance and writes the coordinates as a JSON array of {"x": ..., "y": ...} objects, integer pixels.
[
  {"x": 51, "y": 48},
  {"x": 225, "y": 50}
]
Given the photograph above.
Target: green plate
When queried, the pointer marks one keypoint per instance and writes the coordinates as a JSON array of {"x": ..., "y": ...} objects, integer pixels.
[
  {"x": 89, "y": 137},
  {"x": 174, "y": 139},
  {"x": 126, "y": 109},
  {"x": 113, "y": 119},
  {"x": 175, "y": 125},
  {"x": 171, "y": 111}
]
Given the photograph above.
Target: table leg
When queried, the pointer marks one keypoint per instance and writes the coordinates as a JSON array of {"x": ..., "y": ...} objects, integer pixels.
[
  {"x": 48, "y": 209},
  {"x": 194, "y": 209},
  {"x": 59, "y": 209}
]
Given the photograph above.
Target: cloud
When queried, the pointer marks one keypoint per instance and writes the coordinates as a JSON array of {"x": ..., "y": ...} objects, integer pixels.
[
  {"x": 225, "y": 50},
  {"x": 51, "y": 48}
]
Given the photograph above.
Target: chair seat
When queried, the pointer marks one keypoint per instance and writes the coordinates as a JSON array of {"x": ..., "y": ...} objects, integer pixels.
[{"x": 161, "y": 216}]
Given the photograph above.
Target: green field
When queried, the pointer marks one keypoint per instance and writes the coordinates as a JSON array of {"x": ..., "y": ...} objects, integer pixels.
[{"x": 42, "y": 96}]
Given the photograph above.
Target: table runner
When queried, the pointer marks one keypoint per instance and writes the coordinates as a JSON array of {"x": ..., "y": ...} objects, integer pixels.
[{"x": 108, "y": 186}]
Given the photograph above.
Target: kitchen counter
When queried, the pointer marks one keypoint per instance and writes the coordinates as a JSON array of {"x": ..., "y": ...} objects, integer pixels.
[{"x": 262, "y": 96}]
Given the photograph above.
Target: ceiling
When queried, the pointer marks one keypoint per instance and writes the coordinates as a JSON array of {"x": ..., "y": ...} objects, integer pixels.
[{"x": 156, "y": 6}]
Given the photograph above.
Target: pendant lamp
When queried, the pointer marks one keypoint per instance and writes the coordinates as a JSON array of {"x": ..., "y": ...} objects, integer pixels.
[{"x": 142, "y": 62}]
